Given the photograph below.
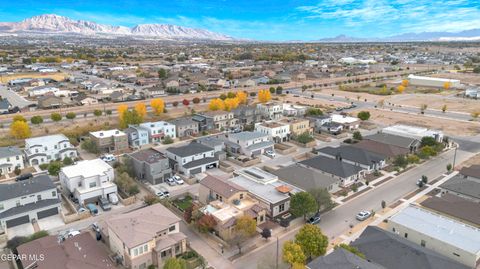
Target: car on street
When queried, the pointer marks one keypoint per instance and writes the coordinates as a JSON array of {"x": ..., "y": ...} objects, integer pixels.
[
  {"x": 72, "y": 233},
  {"x": 270, "y": 153},
  {"x": 363, "y": 215},
  {"x": 315, "y": 219},
  {"x": 178, "y": 180},
  {"x": 81, "y": 210}
]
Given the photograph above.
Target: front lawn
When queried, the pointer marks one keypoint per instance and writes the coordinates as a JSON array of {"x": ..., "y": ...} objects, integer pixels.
[{"x": 183, "y": 203}]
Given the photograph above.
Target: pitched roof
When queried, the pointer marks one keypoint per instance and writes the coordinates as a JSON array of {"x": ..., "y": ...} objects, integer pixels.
[
  {"x": 464, "y": 185},
  {"x": 26, "y": 187},
  {"x": 395, "y": 252},
  {"x": 384, "y": 149},
  {"x": 9, "y": 152},
  {"x": 332, "y": 166},
  {"x": 357, "y": 155},
  {"x": 243, "y": 136},
  {"x": 142, "y": 225},
  {"x": 304, "y": 178},
  {"x": 472, "y": 171},
  {"x": 225, "y": 188},
  {"x": 189, "y": 150},
  {"x": 396, "y": 140},
  {"x": 341, "y": 258},
  {"x": 455, "y": 206},
  {"x": 199, "y": 162}
]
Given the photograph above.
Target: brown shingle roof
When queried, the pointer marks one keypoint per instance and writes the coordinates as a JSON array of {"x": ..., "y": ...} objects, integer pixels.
[
  {"x": 471, "y": 171},
  {"x": 225, "y": 188},
  {"x": 381, "y": 148},
  {"x": 456, "y": 207}
]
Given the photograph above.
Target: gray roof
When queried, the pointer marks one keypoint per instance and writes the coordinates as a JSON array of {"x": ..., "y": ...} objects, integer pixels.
[
  {"x": 189, "y": 150},
  {"x": 4, "y": 104},
  {"x": 243, "y": 136},
  {"x": 26, "y": 187},
  {"x": 471, "y": 171},
  {"x": 199, "y": 162},
  {"x": 396, "y": 140},
  {"x": 304, "y": 178},
  {"x": 147, "y": 155},
  {"x": 357, "y": 155},
  {"x": 223, "y": 187},
  {"x": 183, "y": 121},
  {"x": 211, "y": 141},
  {"x": 332, "y": 166},
  {"x": 455, "y": 206},
  {"x": 261, "y": 145},
  {"x": 28, "y": 207},
  {"x": 9, "y": 152},
  {"x": 341, "y": 258},
  {"x": 465, "y": 185},
  {"x": 441, "y": 228},
  {"x": 395, "y": 252}
]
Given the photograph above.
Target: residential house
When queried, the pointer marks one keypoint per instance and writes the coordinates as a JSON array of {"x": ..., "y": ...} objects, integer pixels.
[
  {"x": 45, "y": 149},
  {"x": 290, "y": 110},
  {"x": 249, "y": 143},
  {"x": 137, "y": 136},
  {"x": 24, "y": 201},
  {"x": 150, "y": 165},
  {"x": 185, "y": 127},
  {"x": 113, "y": 141},
  {"x": 307, "y": 179},
  {"x": 42, "y": 90},
  {"x": 204, "y": 123},
  {"x": 413, "y": 132},
  {"x": 367, "y": 160},
  {"x": 472, "y": 92},
  {"x": 348, "y": 123},
  {"x": 408, "y": 144},
  {"x": 11, "y": 158},
  {"x": 393, "y": 251},
  {"x": 222, "y": 120},
  {"x": 346, "y": 173},
  {"x": 280, "y": 132},
  {"x": 145, "y": 237},
  {"x": 218, "y": 145},
  {"x": 79, "y": 252},
  {"x": 5, "y": 106},
  {"x": 88, "y": 101},
  {"x": 50, "y": 101},
  {"x": 270, "y": 110},
  {"x": 455, "y": 207},
  {"x": 88, "y": 180},
  {"x": 446, "y": 236},
  {"x": 192, "y": 159},
  {"x": 273, "y": 194},
  {"x": 465, "y": 184},
  {"x": 341, "y": 258},
  {"x": 387, "y": 150},
  {"x": 298, "y": 126},
  {"x": 246, "y": 115},
  {"x": 226, "y": 202},
  {"x": 157, "y": 131}
]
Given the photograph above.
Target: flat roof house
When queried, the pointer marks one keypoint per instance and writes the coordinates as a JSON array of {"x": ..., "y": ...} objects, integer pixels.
[
  {"x": 113, "y": 141},
  {"x": 192, "y": 159},
  {"x": 349, "y": 123},
  {"x": 144, "y": 237},
  {"x": 88, "y": 180},
  {"x": 158, "y": 130},
  {"x": 45, "y": 149},
  {"x": 10, "y": 159},
  {"x": 23, "y": 201},
  {"x": 280, "y": 132},
  {"x": 446, "y": 236},
  {"x": 137, "y": 136},
  {"x": 150, "y": 165}
]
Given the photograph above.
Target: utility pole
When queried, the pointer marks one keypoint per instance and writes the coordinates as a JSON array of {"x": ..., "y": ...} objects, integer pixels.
[
  {"x": 276, "y": 260},
  {"x": 454, "y": 157}
]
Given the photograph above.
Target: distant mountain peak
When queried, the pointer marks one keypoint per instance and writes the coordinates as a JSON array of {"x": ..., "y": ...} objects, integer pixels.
[{"x": 56, "y": 24}]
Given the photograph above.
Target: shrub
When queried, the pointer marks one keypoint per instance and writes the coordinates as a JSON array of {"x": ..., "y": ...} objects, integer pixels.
[
  {"x": 167, "y": 140},
  {"x": 363, "y": 115}
]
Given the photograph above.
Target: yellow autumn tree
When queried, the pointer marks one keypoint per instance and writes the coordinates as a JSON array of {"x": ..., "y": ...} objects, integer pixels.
[
  {"x": 231, "y": 103},
  {"x": 20, "y": 130},
  {"x": 216, "y": 104},
  {"x": 158, "y": 106},
  {"x": 141, "y": 109},
  {"x": 401, "y": 89},
  {"x": 447, "y": 85},
  {"x": 405, "y": 83},
  {"x": 242, "y": 97},
  {"x": 121, "y": 111},
  {"x": 264, "y": 96}
]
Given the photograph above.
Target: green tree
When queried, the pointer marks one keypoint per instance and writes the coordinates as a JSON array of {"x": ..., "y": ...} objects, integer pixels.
[
  {"x": 302, "y": 203},
  {"x": 449, "y": 167},
  {"x": 162, "y": 73},
  {"x": 67, "y": 161},
  {"x": 56, "y": 117},
  {"x": 90, "y": 146},
  {"x": 293, "y": 253},
  {"x": 108, "y": 112},
  {"x": 36, "y": 120},
  {"x": 314, "y": 112},
  {"x": 130, "y": 117},
  {"x": 312, "y": 241},
  {"x": 400, "y": 161},
  {"x": 353, "y": 250},
  {"x": 428, "y": 141},
  {"x": 279, "y": 90},
  {"x": 322, "y": 197},
  {"x": 70, "y": 115},
  {"x": 245, "y": 228},
  {"x": 54, "y": 168},
  {"x": 357, "y": 135},
  {"x": 174, "y": 263},
  {"x": 363, "y": 115},
  {"x": 97, "y": 112},
  {"x": 305, "y": 138},
  {"x": 167, "y": 140}
]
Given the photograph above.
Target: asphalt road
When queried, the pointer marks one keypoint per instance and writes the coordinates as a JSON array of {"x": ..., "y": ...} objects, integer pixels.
[
  {"x": 337, "y": 221},
  {"x": 13, "y": 97}
]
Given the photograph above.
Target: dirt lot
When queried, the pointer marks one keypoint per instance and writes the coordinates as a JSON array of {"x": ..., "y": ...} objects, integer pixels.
[
  {"x": 354, "y": 95},
  {"x": 437, "y": 102},
  {"x": 474, "y": 160},
  {"x": 321, "y": 103},
  {"x": 463, "y": 77},
  {"x": 450, "y": 127},
  {"x": 56, "y": 76}
]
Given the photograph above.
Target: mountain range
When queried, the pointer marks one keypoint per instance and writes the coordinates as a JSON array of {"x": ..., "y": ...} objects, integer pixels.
[
  {"x": 55, "y": 24},
  {"x": 467, "y": 35}
]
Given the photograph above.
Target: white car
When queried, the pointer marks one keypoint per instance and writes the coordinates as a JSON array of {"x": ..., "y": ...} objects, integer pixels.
[
  {"x": 178, "y": 180},
  {"x": 170, "y": 181},
  {"x": 108, "y": 158},
  {"x": 72, "y": 233},
  {"x": 270, "y": 153},
  {"x": 363, "y": 215},
  {"x": 113, "y": 198}
]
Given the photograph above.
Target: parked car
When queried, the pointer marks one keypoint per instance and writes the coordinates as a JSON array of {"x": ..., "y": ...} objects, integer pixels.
[
  {"x": 92, "y": 208},
  {"x": 210, "y": 166},
  {"x": 108, "y": 158},
  {"x": 178, "y": 180},
  {"x": 363, "y": 215},
  {"x": 72, "y": 233},
  {"x": 95, "y": 227},
  {"x": 104, "y": 204},
  {"x": 170, "y": 181},
  {"x": 24, "y": 177},
  {"x": 270, "y": 153},
  {"x": 81, "y": 209},
  {"x": 166, "y": 193},
  {"x": 315, "y": 219},
  {"x": 113, "y": 198}
]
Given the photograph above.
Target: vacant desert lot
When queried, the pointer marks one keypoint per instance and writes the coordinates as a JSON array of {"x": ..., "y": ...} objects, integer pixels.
[
  {"x": 55, "y": 76},
  {"x": 464, "y": 78},
  {"x": 435, "y": 101},
  {"x": 321, "y": 103},
  {"x": 354, "y": 96},
  {"x": 450, "y": 127}
]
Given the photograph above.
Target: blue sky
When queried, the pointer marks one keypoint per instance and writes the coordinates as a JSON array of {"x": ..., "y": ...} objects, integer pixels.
[{"x": 267, "y": 19}]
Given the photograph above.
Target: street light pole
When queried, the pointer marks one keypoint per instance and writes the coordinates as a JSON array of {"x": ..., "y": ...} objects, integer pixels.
[{"x": 454, "y": 157}]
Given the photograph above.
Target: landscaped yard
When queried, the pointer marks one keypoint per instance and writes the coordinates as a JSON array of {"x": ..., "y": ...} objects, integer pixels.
[{"x": 183, "y": 203}]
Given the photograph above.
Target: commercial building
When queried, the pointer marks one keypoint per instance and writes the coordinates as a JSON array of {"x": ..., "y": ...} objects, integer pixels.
[
  {"x": 433, "y": 82},
  {"x": 413, "y": 132}
]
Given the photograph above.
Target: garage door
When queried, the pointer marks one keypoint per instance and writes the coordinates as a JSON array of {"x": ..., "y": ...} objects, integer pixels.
[
  {"x": 17, "y": 221},
  {"x": 47, "y": 213},
  {"x": 195, "y": 171},
  {"x": 256, "y": 152}
]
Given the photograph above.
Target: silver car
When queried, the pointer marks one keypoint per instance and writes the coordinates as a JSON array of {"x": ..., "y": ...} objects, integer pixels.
[{"x": 363, "y": 215}]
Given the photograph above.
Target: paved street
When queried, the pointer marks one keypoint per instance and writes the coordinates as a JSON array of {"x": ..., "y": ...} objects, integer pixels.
[
  {"x": 337, "y": 221},
  {"x": 13, "y": 97}
]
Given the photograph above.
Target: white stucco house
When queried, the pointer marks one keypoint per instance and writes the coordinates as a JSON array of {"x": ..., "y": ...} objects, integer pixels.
[{"x": 44, "y": 149}]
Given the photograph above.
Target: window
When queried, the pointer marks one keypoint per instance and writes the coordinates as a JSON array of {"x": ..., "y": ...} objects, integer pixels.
[
  {"x": 241, "y": 195},
  {"x": 458, "y": 255},
  {"x": 145, "y": 248},
  {"x": 406, "y": 235},
  {"x": 18, "y": 158},
  {"x": 18, "y": 203},
  {"x": 281, "y": 208},
  {"x": 54, "y": 193},
  {"x": 171, "y": 228},
  {"x": 39, "y": 197},
  {"x": 92, "y": 184},
  {"x": 1, "y": 207},
  {"x": 135, "y": 252},
  {"x": 8, "y": 159},
  {"x": 79, "y": 184},
  {"x": 423, "y": 243}
]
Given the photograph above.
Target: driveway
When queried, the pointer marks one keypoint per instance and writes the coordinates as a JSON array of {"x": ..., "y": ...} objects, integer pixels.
[
  {"x": 50, "y": 222},
  {"x": 13, "y": 98},
  {"x": 20, "y": 230}
]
